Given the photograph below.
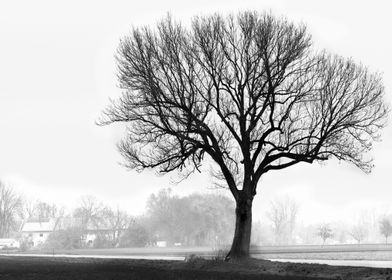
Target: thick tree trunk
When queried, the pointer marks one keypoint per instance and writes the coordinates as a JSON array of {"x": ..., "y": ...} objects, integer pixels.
[{"x": 243, "y": 227}]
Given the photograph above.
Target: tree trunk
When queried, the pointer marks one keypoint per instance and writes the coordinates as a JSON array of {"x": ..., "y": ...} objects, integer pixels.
[{"x": 243, "y": 227}]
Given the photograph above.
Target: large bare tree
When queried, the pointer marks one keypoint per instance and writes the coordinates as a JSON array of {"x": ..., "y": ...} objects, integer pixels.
[{"x": 246, "y": 90}]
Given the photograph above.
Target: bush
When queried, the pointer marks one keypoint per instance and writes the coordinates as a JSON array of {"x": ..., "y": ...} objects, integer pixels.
[
  {"x": 24, "y": 245},
  {"x": 135, "y": 236},
  {"x": 193, "y": 258},
  {"x": 219, "y": 255},
  {"x": 64, "y": 239},
  {"x": 102, "y": 241}
]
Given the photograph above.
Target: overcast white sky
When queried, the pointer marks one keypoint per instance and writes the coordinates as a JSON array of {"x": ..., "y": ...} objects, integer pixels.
[{"x": 57, "y": 73}]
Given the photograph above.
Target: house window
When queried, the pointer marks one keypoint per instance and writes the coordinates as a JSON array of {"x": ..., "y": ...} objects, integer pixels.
[
  {"x": 41, "y": 235},
  {"x": 30, "y": 234}
]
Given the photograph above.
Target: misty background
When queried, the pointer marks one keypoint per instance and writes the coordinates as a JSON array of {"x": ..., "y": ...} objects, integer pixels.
[{"x": 57, "y": 71}]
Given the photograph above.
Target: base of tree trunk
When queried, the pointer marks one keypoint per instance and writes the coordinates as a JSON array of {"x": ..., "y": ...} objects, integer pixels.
[
  {"x": 236, "y": 256},
  {"x": 243, "y": 227}
]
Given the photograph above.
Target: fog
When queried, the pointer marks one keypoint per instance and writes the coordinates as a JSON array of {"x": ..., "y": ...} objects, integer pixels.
[{"x": 64, "y": 172}]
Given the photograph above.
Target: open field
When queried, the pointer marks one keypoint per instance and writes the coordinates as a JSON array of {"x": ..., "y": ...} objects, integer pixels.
[
  {"x": 376, "y": 252},
  {"x": 323, "y": 249},
  {"x": 34, "y": 268},
  {"x": 373, "y": 252},
  {"x": 365, "y": 255}
]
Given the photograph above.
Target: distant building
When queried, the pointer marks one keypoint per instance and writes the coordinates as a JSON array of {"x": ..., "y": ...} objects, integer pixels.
[
  {"x": 9, "y": 243},
  {"x": 36, "y": 231},
  {"x": 161, "y": 243}
]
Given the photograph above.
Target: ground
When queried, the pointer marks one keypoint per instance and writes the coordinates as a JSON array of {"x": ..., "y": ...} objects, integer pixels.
[
  {"x": 369, "y": 256},
  {"x": 371, "y": 252},
  {"x": 44, "y": 268}
]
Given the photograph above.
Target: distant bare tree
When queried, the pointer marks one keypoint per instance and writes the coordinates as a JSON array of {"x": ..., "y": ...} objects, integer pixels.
[
  {"x": 42, "y": 210},
  {"x": 325, "y": 232},
  {"x": 249, "y": 92},
  {"x": 28, "y": 208},
  {"x": 359, "y": 232},
  {"x": 46, "y": 210},
  {"x": 90, "y": 211},
  {"x": 117, "y": 220},
  {"x": 10, "y": 209},
  {"x": 283, "y": 215},
  {"x": 385, "y": 228}
]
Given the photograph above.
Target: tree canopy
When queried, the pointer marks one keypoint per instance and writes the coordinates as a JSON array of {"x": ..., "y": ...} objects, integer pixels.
[
  {"x": 244, "y": 89},
  {"x": 249, "y": 91}
]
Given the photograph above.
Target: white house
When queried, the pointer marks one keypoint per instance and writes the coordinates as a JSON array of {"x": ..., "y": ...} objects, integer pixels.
[{"x": 35, "y": 232}]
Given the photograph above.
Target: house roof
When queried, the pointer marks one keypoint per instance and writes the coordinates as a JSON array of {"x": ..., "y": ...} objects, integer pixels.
[
  {"x": 47, "y": 225},
  {"x": 71, "y": 222}
]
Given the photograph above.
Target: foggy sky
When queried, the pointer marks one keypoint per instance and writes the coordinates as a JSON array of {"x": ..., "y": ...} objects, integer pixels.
[{"x": 57, "y": 73}]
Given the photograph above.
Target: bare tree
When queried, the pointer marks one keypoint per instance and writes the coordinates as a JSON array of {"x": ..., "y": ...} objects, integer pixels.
[
  {"x": 385, "y": 228},
  {"x": 283, "y": 215},
  {"x": 90, "y": 211},
  {"x": 117, "y": 220},
  {"x": 28, "y": 208},
  {"x": 359, "y": 232},
  {"x": 325, "y": 232},
  {"x": 42, "y": 210},
  {"x": 249, "y": 92},
  {"x": 10, "y": 209}
]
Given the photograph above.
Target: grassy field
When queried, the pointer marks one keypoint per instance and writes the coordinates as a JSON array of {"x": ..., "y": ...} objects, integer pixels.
[
  {"x": 332, "y": 252},
  {"x": 39, "y": 268},
  {"x": 371, "y": 252},
  {"x": 365, "y": 255}
]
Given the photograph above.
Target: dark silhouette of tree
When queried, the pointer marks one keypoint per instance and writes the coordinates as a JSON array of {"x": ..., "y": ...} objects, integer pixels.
[
  {"x": 10, "y": 209},
  {"x": 325, "y": 232},
  {"x": 386, "y": 228},
  {"x": 249, "y": 92}
]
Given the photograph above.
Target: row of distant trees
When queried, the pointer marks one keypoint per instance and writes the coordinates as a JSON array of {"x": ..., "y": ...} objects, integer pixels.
[
  {"x": 281, "y": 227},
  {"x": 358, "y": 232},
  {"x": 193, "y": 220}
]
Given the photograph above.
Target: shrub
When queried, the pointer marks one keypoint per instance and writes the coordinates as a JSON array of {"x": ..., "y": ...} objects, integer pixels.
[
  {"x": 64, "y": 239},
  {"x": 102, "y": 241},
  {"x": 219, "y": 255},
  {"x": 135, "y": 236},
  {"x": 193, "y": 258}
]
